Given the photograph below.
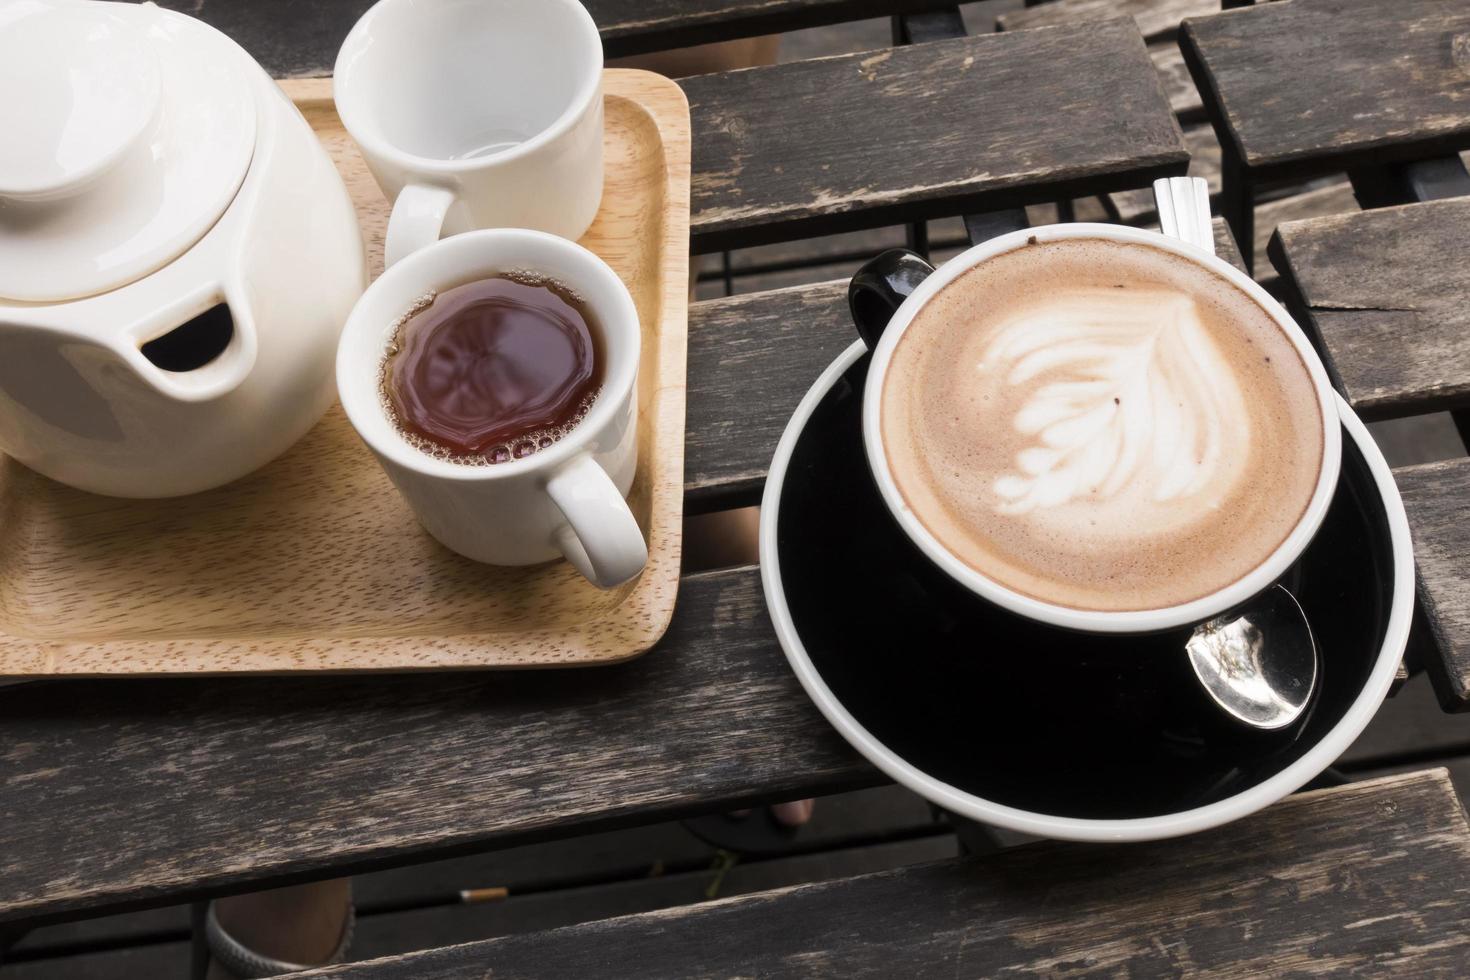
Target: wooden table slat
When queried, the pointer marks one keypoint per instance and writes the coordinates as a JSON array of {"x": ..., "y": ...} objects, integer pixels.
[
  {"x": 1322, "y": 200},
  {"x": 929, "y": 130},
  {"x": 1137, "y": 205},
  {"x": 116, "y": 793},
  {"x": 1155, "y": 18},
  {"x": 875, "y": 138},
  {"x": 751, "y": 359},
  {"x": 639, "y": 26},
  {"x": 308, "y": 46},
  {"x": 1437, "y": 499},
  {"x": 1388, "y": 293},
  {"x": 1364, "y": 878},
  {"x": 1311, "y": 86}
]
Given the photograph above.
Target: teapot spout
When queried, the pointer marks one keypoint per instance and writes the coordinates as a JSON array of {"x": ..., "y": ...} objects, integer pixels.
[
  {"x": 98, "y": 397},
  {"x": 198, "y": 349}
]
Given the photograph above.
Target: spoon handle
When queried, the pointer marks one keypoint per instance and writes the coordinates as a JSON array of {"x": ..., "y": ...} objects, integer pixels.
[{"x": 1184, "y": 210}]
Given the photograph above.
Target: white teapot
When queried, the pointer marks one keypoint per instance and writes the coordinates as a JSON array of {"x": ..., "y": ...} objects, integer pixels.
[{"x": 177, "y": 252}]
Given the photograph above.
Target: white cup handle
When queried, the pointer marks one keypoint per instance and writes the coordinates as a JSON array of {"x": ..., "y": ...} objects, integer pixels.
[
  {"x": 416, "y": 221},
  {"x": 601, "y": 539}
]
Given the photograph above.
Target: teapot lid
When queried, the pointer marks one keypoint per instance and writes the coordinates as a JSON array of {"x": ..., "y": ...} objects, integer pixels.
[{"x": 128, "y": 130}]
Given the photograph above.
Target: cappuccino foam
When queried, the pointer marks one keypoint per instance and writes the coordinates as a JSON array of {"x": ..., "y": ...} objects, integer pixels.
[{"x": 1101, "y": 425}]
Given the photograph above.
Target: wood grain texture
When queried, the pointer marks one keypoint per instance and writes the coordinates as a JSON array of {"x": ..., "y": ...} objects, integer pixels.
[
  {"x": 844, "y": 821},
  {"x": 929, "y": 130},
  {"x": 116, "y": 793},
  {"x": 1136, "y": 206},
  {"x": 1225, "y": 245},
  {"x": 1386, "y": 291},
  {"x": 315, "y": 562},
  {"x": 404, "y": 930},
  {"x": 1437, "y": 499},
  {"x": 1155, "y": 18},
  {"x": 751, "y": 359},
  {"x": 410, "y": 931},
  {"x": 557, "y": 882},
  {"x": 1184, "y": 98},
  {"x": 1319, "y": 202},
  {"x": 291, "y": 38},
  {"x": 1368, "y": 879},
  {"x": 1320, "y": 85}
]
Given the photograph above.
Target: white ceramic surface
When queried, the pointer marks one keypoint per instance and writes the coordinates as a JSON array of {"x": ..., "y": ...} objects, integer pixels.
[
  {"x": 1293, "y": 777},
  {"x": 476, "y": 114},
  {"x": 1133, "y": 621},
  {"x": 81, "y": 86},
  {"x": 81, "y": 403},
  {"x": 566, "y": 500},
  {"x": 128, "y": 130}
]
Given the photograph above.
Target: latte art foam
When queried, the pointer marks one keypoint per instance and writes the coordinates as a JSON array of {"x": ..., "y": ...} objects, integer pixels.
[
  {"x": 1119, "y": 405},
  {"x": 1100, "y": 425}
]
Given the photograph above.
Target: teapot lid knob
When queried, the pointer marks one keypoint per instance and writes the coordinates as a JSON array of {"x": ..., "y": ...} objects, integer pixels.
[{"x": 90, "y": 87}]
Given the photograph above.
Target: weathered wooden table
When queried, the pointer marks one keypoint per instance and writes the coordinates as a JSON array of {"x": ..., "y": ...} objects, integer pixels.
[{"x": 127, "y": 795}]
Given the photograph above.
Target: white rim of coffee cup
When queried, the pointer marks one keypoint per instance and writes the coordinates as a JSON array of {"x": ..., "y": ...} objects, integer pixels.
[
  {"x": 358, "y": 114},
  {"x": 1095, "y": 621},
  {"x": 487, "y": 252},
  {"x": 1247, "y": 801}
]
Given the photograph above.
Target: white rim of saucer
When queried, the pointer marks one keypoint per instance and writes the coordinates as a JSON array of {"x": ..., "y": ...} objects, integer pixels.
[
  {"x": 1248, "y": 801},
  {"x": 1091, "y": 620}
]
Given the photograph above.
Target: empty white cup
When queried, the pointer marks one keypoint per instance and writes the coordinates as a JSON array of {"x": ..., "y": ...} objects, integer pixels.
[{"x": 476, "y": 114}]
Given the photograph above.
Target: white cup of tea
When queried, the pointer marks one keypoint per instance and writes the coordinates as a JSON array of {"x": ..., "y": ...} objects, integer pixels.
[
  {"x": 564, "y": 500},
  {"x": 476, "y": 114},
  {"x": 1144, "y": 468}
]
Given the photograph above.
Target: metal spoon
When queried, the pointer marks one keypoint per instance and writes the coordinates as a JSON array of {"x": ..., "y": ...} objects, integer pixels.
[{"x": 1259, "y": 664}]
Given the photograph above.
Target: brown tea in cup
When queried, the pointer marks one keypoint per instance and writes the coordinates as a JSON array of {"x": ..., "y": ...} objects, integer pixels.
[{"x": 493, "y": 370}]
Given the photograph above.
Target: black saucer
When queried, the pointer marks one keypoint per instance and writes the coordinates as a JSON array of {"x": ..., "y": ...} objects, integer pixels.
[{"x": 1030, "y": 716}]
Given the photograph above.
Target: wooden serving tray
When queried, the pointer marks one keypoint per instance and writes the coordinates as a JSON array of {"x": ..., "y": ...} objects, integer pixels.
[{"x": 314, "y": 563}]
